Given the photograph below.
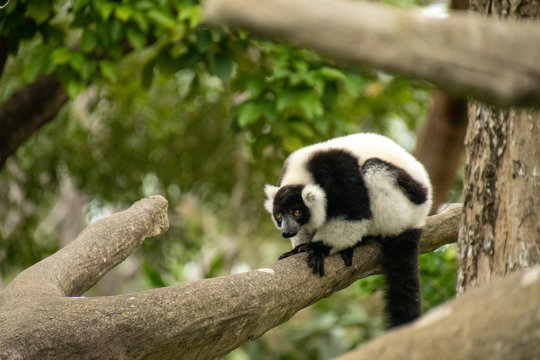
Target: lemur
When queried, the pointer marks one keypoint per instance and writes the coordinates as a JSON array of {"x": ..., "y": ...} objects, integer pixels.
[{"x": 333, "y": 194}]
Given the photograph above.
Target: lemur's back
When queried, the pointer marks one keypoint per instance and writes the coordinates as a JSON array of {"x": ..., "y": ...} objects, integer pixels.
[{"x": 364, "y": 146}]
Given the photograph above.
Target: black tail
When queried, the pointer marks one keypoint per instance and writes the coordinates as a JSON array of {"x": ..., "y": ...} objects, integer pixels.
[{"x": 400, "y": 267}]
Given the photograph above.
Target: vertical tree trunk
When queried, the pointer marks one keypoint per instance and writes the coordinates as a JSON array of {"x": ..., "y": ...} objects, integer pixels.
[
  {"x": 500, "y": 229},
  {"x": 440, "y": 143}
]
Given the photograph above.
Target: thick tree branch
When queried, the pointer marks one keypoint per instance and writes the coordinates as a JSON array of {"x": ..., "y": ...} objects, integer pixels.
[
  {"x": 103, "y": 245},
  {"x": 463, "y": 54},
  {"x": 499, "y": 321},
  {"x": 201, "y": 319},
  {"x": 27, "y": 110}
]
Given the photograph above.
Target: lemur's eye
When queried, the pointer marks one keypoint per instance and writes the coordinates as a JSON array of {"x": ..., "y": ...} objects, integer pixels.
[
  {"x": 297, "y": 213},
  {"x": 278, "y": 216}
]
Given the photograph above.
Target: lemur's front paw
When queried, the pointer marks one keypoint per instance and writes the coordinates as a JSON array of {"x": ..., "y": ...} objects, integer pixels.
[
  {"x": 347, "y": 255},
  {"x": 297, "y": 250},
  {"x": 317, "y": 252}
]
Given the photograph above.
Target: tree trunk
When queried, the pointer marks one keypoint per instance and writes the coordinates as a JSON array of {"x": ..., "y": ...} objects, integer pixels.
[
  {"x": 440, "y": 143},
  {"x": 500, "y": 230}
]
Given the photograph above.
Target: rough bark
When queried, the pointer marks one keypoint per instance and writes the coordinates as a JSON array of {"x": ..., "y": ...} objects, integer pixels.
[
  {"x": 79, "y": 265},
  {"x": 440, "y": 143},
  {"x": 450, "y": 53},
  {"x": 195, "y": 320},
  {"x": 501, "y": 226},
  {"x": 27, "y": 110},
  {"x": 497, "y": 322}
]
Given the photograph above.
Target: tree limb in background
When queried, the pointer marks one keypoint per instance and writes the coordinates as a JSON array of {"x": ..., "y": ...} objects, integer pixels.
[
  {"x": 452, "y": 53},
  {"x": 27, "y": 110},
  {"x": 499, "y": 321},
  {"x": 202, "y": 319},
  {"x": 104, "y": 244},
  {"x": 440, "y": 144}
]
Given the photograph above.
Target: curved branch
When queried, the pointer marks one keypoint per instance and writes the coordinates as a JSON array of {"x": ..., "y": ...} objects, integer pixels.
[
  {"x": 27, "y": 110},
  {"x": 100, "y": 247},
  {"x": 200, "y": 319},
  {"x": 463, "y": 54},
  {"x": 498, "y": 321}
]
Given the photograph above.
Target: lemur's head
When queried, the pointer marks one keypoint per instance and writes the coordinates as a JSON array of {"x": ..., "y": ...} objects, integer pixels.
[{"x": 295, "y": 206}]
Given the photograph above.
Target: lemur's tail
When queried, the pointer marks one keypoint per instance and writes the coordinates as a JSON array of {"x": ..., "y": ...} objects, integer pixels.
[{"x": 400, "y": 267}]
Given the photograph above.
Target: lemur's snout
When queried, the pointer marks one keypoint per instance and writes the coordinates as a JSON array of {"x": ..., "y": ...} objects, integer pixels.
[{"x": 288, "y": 234}]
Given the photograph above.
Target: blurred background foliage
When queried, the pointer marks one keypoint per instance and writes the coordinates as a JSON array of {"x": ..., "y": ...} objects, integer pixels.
[{"x": 162, "y": 104}]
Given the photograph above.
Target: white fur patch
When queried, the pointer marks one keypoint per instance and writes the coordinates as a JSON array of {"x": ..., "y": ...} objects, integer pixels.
[
  {"x": 315, "y": 200},
  {"x": 270, "y": 191},
  {"x": 341, "y": 234},
  {"x": 392, "y": 211}
]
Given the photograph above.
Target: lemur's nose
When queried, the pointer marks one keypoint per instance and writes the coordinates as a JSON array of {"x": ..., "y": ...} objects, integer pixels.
[{"x": 287, "y": 234}]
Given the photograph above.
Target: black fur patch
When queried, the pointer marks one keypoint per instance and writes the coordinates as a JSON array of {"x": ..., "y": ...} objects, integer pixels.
[
  {"x": 317, "y": 252},
  {"x": 297, "y": 250},
  {"x": 288, "y": 199},
  {"x": 400, "y": 267},
  {"x": 415, "y": 192},
  {"x": 347, "y": 255},
  {"x": 337, "y": 172}
]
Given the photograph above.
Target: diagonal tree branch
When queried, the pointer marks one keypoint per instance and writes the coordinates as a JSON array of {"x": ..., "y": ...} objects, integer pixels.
[
  {"x": 27, "y": 110},
  {"x": 195, "y": 320},
  {"x": 462, "y": 54},
  {"x": 103, "y": 245},
  {"x": 499, "y": 321}
]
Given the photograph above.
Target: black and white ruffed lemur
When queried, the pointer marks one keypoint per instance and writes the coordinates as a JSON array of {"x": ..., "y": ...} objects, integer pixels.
[{"x": 332, "y": 194}]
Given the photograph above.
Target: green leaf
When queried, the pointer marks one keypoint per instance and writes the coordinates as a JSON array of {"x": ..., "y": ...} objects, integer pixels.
[
  {"x": 248, "y": 113},
  {"x": 142, "y": 21},
  {"x": 204, "y": 38},
  {"x": 192, "y": 14},
  {"x": 87, "y": 70},
  {"x": 136, "y": 38},
  {"x": 60, "y": 55},
  {"x": 108, "y": 70},
  {"x": 89, "y": 41},
  {"x": 332, "y": 74},
  {"x": 311, "y": 105},
  {"x": 221, "y": 65},
  {"x": 76, "y": 60},
  {"x": 284, "y": 98},
  {"x": 256, "y": 86},
  {"x": 162, "y": 18},
  {"x": 153, "y": 276},
  {"x": 302, "y": 129},
  {"x": 144, "y": 5},
  {"x": 116, "y": 30},
  {"x": 38, "y": 10},
  {"x": 292, "y": 142},
  {"x": 75, "y": 87},
  {"x": 105, "y": 8},
  {"x": 124, "y": 12},
  {"x": 147, "y": 74}
]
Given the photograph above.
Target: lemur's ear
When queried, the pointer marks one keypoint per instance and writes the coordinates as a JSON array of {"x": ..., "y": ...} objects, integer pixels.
[
  {"x": 311, "y": 194},
  {"x": 270, "y": 191},
  {"x": 315, "y": 199}
]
